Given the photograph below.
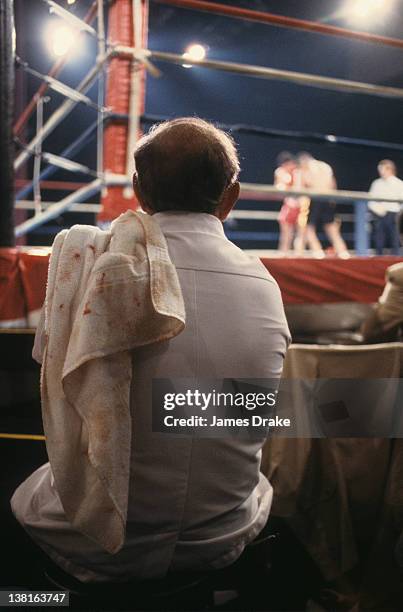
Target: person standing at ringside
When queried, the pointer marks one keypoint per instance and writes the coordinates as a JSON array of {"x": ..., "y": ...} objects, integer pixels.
[
  {"x": 388, "y": 185},
  {"x": 319, "y": 176},
  {"x": 385, "y": 322}
]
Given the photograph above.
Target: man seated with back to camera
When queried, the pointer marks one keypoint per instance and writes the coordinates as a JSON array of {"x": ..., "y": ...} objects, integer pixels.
[{"x": 194, "y": 504}]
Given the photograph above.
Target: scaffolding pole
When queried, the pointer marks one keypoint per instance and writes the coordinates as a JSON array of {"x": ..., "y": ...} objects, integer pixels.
[{"x": 6, "y": 117}]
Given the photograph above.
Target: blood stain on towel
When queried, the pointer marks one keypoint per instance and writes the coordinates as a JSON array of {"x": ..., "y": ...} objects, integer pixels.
[
  {"x": 87, "y": 309},
  {"x": 65, "y": 276},
  {"x": 77, "y": 256}
]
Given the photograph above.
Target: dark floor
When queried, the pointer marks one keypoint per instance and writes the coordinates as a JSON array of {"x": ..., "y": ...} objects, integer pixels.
[{"x": 20, "y": 568}]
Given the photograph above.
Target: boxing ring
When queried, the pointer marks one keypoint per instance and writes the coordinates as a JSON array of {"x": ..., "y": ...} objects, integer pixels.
[
  {"x": 119, "y": 71},
  {"x": 123, "y": 62}
]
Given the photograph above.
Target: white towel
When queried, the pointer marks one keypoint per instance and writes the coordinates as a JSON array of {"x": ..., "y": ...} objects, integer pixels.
[{"x": 108, "y": 293}]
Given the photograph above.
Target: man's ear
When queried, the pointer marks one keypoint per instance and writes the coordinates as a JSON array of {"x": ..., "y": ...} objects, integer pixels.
[
  {"x": 139, "y": 197},
  {"x": 228, "y": 201}
]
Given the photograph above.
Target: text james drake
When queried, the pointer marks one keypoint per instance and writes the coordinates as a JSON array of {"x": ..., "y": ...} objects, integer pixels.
[{"x": 199, "y": 421}]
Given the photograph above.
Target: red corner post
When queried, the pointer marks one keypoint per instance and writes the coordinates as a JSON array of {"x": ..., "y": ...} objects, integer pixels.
[{"x": 118, "y": 91}]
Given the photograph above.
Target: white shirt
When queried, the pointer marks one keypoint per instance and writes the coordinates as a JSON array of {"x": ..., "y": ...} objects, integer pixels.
[
  {"x": 391, "y": 187},
  {"x": 193, "y": 503}
]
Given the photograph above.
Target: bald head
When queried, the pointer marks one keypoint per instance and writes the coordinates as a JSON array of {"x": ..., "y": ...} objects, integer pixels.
[
  {"x": 185, "y": 164},
  {"x": 386, "y": 168}
]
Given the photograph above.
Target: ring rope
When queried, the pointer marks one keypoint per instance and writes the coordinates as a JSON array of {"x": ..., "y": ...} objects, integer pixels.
[
  {"x": 313, "y": 137},
  {"x": 263, "y": 72},
  {"x": 252, "y": 215},
  {"x": 76, "y": 145},
  {"x": 283, "y": 21},
  {"x": 258, "y": 191},
  {"x": 249, "y": 191}
]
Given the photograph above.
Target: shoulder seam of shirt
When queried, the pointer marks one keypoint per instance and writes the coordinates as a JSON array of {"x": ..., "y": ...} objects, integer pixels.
[{"x": 268, "y": 278}]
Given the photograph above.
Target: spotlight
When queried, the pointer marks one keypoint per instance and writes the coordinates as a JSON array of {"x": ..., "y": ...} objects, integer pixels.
[
  {"x": 194, "y": 52},
  {"x": 60, "y": 38},
  {"x": 367, "y": 10}
]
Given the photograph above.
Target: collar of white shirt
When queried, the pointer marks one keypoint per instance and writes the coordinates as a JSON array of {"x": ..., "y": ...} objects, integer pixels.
[{"x": 178, "y": 221}]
